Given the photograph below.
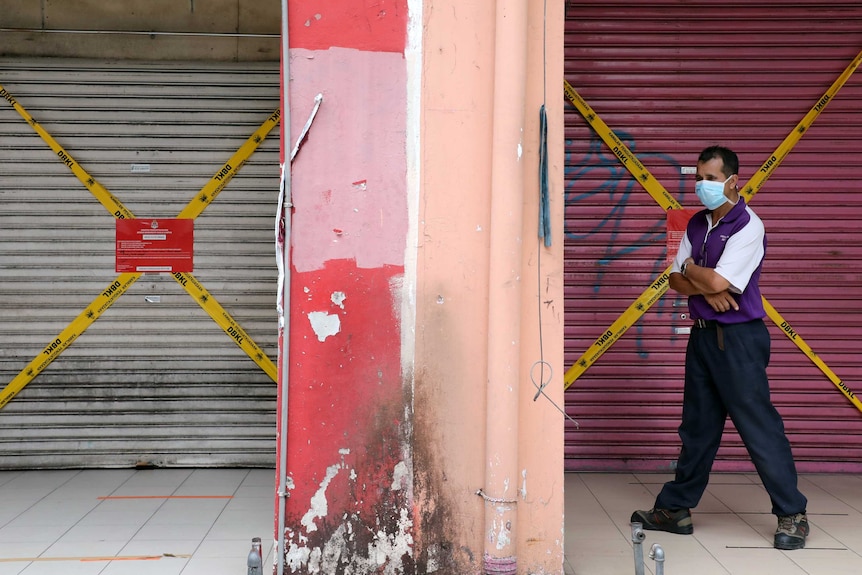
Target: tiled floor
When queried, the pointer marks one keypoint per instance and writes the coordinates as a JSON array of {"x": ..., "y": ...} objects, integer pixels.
[
  {"x": 201, "y": 521},
  {"x": 733, "y": 527},
  {"x": 134, "y": 522}
]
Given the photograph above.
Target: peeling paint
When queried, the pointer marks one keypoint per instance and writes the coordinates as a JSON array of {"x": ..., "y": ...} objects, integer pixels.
[
  {"x": 433, "y": 561},
  {"x": 338, "y": 298},
  {"x": 502, "y": 534},
  {"x": 354, "y": 546},
  {"x": 319, "y": 506},
  {"x": 324, "y": 324},
  {"x": 523, "y": 483},
  {"x": 401, "y": 476},
  {"x": 384, "y": 552}
]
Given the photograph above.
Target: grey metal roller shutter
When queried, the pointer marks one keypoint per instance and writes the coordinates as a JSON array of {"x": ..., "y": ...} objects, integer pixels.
[
  {"x": 671, "y": 78},
  {"x": 154, "y": 380}
]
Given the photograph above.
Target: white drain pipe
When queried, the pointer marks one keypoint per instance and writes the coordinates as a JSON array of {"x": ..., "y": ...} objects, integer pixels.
[{"x": 285, "y": 295}]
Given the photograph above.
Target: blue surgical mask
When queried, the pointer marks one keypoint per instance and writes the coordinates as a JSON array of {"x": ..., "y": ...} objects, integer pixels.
[{"x": 711, "y": 193}]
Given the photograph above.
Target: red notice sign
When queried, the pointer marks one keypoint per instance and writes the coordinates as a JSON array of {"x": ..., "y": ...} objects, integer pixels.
[
  {"x": 162, "y": 245},
  {"x": 677, "y": 220}
]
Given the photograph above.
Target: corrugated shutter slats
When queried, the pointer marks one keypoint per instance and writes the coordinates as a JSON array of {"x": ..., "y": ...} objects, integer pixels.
[
  {"x": 670, "y": 79},
  {"x": 154, "y": 381}
]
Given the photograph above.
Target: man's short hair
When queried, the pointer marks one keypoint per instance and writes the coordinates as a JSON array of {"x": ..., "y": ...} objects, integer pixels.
[{"x": 728, "y": 157}]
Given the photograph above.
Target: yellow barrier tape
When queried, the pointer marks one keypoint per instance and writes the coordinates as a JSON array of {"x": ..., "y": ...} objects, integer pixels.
[
  {"x": 660, "y": 286},
  {"x": 102, "y": 302},
  {"x": 217, "y": 183},
  {"x": 124, "y": 281},
  {"x": 226, "y": 322},
  {"x": 755, "y": 183},
  {"x": 106, "y": 198},
  {"x": 806, "y": 349},
  {"x": 651, "y": 295},
  {"x": 622, "y": 152},
  {"x": 634, "y": 312}
]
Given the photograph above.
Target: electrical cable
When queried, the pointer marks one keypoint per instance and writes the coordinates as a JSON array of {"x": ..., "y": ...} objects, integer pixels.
[{"x": 544, "y": 227}]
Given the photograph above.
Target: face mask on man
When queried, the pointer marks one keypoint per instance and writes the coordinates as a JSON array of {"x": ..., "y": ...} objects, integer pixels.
[{"x": 711, "y": 193}]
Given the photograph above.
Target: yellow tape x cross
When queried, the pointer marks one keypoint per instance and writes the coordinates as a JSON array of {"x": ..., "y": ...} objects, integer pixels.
[
  {"x": 658, "y": 288},
  {"x": 104, "y": 300}
]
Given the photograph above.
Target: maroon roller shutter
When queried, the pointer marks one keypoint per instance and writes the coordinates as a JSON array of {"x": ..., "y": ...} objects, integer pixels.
[{"x": 671, "y": 78}]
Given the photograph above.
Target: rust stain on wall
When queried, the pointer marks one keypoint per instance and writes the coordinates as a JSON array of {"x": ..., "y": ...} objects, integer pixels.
[{"x": 438, "y": 520}]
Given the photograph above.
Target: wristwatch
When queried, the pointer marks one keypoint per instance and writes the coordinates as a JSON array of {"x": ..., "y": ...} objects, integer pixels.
[{"x": 683, "y": 267}]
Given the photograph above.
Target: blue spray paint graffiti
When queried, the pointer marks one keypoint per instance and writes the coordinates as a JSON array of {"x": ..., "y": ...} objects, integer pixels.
[{"x": 608, "y": 179}]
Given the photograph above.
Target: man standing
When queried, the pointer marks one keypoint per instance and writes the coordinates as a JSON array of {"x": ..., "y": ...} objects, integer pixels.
[{"x": 718, "y": 266}]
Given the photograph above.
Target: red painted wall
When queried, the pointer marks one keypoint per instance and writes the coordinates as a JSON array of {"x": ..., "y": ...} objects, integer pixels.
[
  {"x": 371, "y": 25},
  {"x": 348, "y": 453}
]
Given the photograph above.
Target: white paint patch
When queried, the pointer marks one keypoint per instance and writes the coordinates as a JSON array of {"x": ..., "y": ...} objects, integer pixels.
[
  {"x": 324, "y": 324},
  {"x": 385, "y": 552},
  {"x": 524, "y": 484},
  {"x": 296, "y": 556},
  {"x": 502, "y": 534},
  {"x": 433, "y": 563},
  {"x": 338, "y": 298},
  {"x": 319, "y": 505},
  {"x": 400, "y": 476}
]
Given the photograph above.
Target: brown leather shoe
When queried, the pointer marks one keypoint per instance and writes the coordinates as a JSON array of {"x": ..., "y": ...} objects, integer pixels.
[{"x": 673, "y": 521}]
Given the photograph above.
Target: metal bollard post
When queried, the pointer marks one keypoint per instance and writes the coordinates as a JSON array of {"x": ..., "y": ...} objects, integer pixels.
[
  {"x": 638, "y": 537},
  {"x": 255, "y": 560},
  {"x": 657, "y": 553}
]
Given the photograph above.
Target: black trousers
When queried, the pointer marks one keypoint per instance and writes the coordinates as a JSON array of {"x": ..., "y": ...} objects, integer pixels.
[{"x": 725, "y": 374}]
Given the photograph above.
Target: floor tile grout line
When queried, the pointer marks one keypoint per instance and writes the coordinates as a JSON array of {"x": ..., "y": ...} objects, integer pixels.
[
  {"x": 41, "y": 497},
  {"x": 54, "y": 542},
  {"x": 201, "y": 542},
  {"x": 99, "y": 503},
  {"x": 144, "y": 524},
  {"x": 12, "y": 476},
  {"x": 822, "y": 489}
]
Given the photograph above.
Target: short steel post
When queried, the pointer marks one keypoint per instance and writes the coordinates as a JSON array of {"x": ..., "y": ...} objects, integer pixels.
[
  {"x": 657, "y": 553},
  {"x": 255, "y": 558},
  {"x": 638, "y": 537}
]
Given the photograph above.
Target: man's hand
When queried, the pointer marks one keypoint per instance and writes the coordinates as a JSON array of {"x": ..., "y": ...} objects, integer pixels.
[{"x": 722, "y": 301}]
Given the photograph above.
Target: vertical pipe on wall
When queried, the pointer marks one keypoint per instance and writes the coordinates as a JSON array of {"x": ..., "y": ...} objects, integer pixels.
[
  {"x": 284, "y": 328},
  {"x": 504, "y": 329}
]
